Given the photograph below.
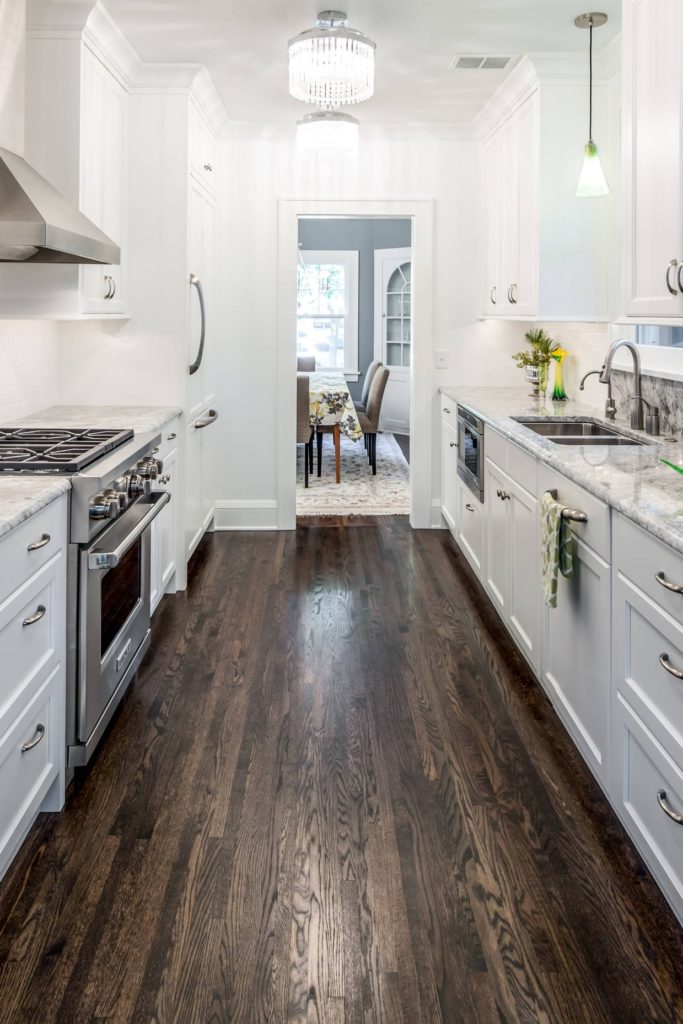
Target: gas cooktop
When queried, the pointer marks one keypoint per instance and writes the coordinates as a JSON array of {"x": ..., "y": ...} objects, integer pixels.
[{"x": 55, "y": 449}]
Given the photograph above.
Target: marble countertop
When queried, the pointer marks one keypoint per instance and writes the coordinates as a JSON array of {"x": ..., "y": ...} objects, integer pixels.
[
  {"x": 141, "y": 418},
  {"x": 630, "y": 479},
  {"x": 23, "y": 496}
]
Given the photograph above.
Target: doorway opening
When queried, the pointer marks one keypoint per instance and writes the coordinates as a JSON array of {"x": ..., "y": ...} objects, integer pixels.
[{"x": 354, "y": 341}]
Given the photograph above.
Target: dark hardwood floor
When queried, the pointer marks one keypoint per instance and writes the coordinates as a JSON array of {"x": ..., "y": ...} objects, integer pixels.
[{"x": 335, "y": 794}]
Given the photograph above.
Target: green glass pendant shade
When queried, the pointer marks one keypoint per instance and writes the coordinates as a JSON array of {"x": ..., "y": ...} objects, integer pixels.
[{"x": 592, "y": 181}]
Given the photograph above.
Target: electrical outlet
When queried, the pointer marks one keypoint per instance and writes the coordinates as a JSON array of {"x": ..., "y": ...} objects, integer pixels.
[{"x": 441, "y": 359}]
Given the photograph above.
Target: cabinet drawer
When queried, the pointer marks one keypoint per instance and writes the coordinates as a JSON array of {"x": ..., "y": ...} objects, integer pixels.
[
  {"x": 28, "y": 638},
  {"x": 508, "y": 456},
  {"x": 596, "y": 531},
  {"x": 29, "y": 763},
  {"x": 449, "y": 411},
  {"x": 646, "y": 561},
  {"x": 643, "y": 777},
  {"x": 496, "y": 448},
  {"x": 648, "y": 664},
  {"x": 470, "y": 527},
  {"x": 170, "y": 435},
  {"x": 28, "y": 547}
]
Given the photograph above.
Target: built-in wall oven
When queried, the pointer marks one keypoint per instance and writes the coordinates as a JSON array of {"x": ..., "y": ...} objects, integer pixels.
[{"x": 471, "y": 451}]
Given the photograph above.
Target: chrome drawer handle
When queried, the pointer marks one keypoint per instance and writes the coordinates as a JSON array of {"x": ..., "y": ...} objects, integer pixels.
[
  {"x": 575, "y": 515},
  {"x": 492, "y": 294},
  {"x": 675, "y": 588},
  {"x": 40, "y": 732},
  {"x": 171, "y": 437},
  {"x": 470, "y": 508},
  {"x": 452, "y": 444},
  {"x": 446, "y": 410},
  {"x": 666, "y": 664},
  {"x": 667, "y": 808},
  {"x": 45, "y": 539},
  {"x": 672, "y": 266},
  {"x": 36, "y": 617}
]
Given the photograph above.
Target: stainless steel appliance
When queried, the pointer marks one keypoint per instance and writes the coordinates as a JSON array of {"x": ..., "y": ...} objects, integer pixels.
[
  {"x": 471, "y": 451},
  {"x": 112, "y": 505}
]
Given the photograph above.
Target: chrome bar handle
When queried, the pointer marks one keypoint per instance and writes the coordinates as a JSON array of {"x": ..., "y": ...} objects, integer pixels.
[
  {"x": 194, "y": 280},
  {"x": 453, "y": 444},
  {"x": 110, "y": 559},
  {"x": 37, "y": 544},
  {"x": 36, "y": 617},
  {"x": 672, "y": 266},
  {"x": 667, "y": 808},
  {"x": 113, "y": 287},
  {"x": 680, "y": 276},
  {"x": 493, "y": 295},
  {"x": 513, "y": 297},
  {"x": 470, "y": 508},
  {"x": 675, "y": 588},
  {"x": 666, "y": 664},
  {"x": 575, "y": 515},
  {"x": 211, "y": 418},
  {"x": 40, "y": 732}
]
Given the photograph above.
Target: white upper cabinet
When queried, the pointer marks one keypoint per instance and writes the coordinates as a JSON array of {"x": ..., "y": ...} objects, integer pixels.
[
  {"x": 203, "y": 149},
  {"x": 653, "y": 157},
  {"x": 545, "y": 251}
]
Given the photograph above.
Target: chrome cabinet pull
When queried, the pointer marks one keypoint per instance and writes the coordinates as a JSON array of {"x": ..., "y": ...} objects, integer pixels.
[
  {"x": 208, "y": 167},
  {"x": 211, "y": 418},
  {"x": 113, "y": 287},
  {"x": 666, "y": 664},
  {"x": 680, "y": 276},
  {"x": 509, "y": 294},
  {"x": 675, "y": 588},
  {"x": 107, "y": 294},
  {"x": 493, "y": 295},
  {"x": 513, "y": 298},
  {"x": 36, "y": 617},
  {"x": 196, "y": 283},
  {"x": 672, "y": 266},
  {"x": 171, "y": 437},
  {"x": 575, "y": 515},
  {"x": 37, "y": 544},
  {"x": 40, "y": 732},
  {"x": 452, "y": 444},
  {"x": 667, "y": 808},
  {"x": 448, "y": 411},
  {"x": 470, "y": 508}
]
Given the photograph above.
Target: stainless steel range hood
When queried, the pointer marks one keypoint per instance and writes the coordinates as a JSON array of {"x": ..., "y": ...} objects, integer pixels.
[{"x": 38, "y": 225}]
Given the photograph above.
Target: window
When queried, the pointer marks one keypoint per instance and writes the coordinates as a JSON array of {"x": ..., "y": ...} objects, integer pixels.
[{"x": 327, "y": 309}]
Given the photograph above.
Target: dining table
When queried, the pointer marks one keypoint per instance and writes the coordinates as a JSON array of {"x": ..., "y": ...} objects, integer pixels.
[{"x": 332, "y": 406}]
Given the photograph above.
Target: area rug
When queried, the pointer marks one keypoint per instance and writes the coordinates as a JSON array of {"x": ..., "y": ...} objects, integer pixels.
[{"x": 359, "y": 493}]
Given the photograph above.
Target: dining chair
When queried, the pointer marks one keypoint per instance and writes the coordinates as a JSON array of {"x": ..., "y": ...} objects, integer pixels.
[
  {"x": 305, "y": 364},
  {"x": 369, "y": 375},
  {"x": 369, "y": 419},
  {"x": 304, "y": 430}
]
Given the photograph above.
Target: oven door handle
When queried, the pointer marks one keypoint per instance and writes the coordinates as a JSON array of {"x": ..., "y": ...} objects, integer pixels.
[{"x": 110, "y": 559}]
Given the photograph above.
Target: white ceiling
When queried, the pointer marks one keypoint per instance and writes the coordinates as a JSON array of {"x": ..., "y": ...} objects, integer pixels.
[{"x": 244, "y": 45}]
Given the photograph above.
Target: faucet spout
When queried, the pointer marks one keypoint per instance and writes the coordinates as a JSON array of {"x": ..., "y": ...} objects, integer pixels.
[{"x": 606, "y": 376}]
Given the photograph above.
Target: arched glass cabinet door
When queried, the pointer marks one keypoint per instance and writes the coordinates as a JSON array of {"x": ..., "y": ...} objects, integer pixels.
[{"x": 397, "y": 326}]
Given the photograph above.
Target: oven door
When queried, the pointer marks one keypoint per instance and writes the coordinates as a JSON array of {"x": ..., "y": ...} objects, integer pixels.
[
  {"x": 113, "y": 616},
  {"x": 471, "y": 457}
]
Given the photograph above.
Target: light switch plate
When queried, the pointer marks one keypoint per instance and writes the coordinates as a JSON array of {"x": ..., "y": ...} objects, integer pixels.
[{"x": 441, "y": 359}]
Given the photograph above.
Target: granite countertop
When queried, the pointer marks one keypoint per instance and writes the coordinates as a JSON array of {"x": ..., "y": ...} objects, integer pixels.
[
  {"x": 141, "y": 418},
  {"x": 21, "y": 496},
  {"x": 630, "y": 479}
]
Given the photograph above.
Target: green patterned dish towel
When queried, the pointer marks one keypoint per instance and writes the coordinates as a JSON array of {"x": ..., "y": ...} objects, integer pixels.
[{"x": 556, "y": 547}]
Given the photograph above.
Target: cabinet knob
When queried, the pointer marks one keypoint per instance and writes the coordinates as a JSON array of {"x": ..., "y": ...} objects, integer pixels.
[{"x": 208, "y": 167}]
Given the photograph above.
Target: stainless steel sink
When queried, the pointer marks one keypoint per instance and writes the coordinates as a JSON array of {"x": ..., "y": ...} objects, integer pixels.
[{"x": 583, "y": 430}]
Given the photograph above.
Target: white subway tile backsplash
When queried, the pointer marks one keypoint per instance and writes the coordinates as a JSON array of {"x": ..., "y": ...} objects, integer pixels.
[{"x": 29, "y": 367}]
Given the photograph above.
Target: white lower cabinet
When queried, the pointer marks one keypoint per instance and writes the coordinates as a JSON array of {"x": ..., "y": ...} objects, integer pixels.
[
  {"x": 164, "y": 531},
  {"x": 470, "y": 526},
  {"x": 33, "y": 682},
  {"x": 200, "y": 475},
  {"x": 449, "y": 475}
]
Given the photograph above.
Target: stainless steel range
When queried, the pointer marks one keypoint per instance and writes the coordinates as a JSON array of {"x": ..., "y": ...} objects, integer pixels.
[{"x": 113, "y": 504}]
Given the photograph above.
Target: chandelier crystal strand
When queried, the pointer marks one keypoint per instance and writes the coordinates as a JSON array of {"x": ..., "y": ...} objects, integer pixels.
[{"x": 331, "y": 65}]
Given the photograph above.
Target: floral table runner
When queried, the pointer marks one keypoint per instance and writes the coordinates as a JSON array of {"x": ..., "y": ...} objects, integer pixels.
[{"x": 331, "y": 403}]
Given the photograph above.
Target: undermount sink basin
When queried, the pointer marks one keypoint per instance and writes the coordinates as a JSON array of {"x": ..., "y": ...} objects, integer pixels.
[{"x": 582, "y": 430}]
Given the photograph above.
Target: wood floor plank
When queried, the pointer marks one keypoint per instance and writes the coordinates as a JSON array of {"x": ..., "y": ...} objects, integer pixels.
[{"x": 334, "y": 794}]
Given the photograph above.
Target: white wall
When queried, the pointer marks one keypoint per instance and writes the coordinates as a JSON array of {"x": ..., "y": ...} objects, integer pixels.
[{"x": 29, "y": 367}]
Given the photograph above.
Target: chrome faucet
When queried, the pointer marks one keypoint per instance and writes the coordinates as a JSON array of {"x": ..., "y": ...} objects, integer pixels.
[
  {"x": 610, "y": 407},
  {"x": 606, "y": 374}
]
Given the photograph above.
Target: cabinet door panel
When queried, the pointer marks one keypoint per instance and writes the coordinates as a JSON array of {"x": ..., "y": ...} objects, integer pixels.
[
  {"x": 497, "y": 575},
  {"x": 492, "y": 197},
  {"x": 525, "y": 292},
  {"x": 524, "y": 601},
  {"x": 449, "y": 475},
  {"x": 208, "y": 482},
  {"x": 653, "y": 179},
  {"x": 470, "y": 529},
  {"x": 193, "y": 485},
  {"x": 576, "y": 655},
  {"x": 510, "y": 210}
]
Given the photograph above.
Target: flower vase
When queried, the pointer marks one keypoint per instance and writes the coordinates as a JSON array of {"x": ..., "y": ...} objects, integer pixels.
[
  {"x": 559, "y": 394},
  {"x": 543, "y": 378}
]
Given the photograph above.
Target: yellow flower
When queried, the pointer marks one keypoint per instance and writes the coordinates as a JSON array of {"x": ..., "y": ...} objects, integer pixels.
[{"x": 559, "y": 354}]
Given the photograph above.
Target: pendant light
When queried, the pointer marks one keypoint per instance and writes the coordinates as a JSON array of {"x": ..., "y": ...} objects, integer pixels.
[
  {"x": 327, "y": 134},
  {"x": 592, "y": 181},
  {"x": 331, "y": 65}
]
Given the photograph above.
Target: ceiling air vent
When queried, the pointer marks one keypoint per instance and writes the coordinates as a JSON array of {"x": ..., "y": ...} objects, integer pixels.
[{"x": 479, "y": 63}]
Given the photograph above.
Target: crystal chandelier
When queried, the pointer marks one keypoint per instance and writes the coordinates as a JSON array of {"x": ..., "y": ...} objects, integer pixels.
[
  {"x": 331, "y": 65},
  {"x": 327, "y": 134}
]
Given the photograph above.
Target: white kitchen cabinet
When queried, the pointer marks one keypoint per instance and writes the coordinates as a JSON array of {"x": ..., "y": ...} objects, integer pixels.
[
  {"x": 653, "y": 157},
  {"x": 449, "y": 475},
  {"x": 104, "y": 173},
  {"x": 33, "y": 683},
  {"x": 164, "y": 530},
  {"x": 203, "y": 148},
  {"x": 470, "y": 526},
  {"x": 576, "y": 633},
  {"x": 545, "y": 251},
  {"x": 512, "y": 554},
  {"x": 201, "y": 215},
  {"x": 200, "y": 476}
]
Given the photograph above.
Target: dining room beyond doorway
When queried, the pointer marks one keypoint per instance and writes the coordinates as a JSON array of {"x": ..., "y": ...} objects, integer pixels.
[{"x": 354, "y": 364}]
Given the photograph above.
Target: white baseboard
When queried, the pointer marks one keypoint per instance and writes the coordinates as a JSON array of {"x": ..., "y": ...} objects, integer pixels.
[
  {"x": 438, "y": 521},
  {"x": 249, "y": 514}
]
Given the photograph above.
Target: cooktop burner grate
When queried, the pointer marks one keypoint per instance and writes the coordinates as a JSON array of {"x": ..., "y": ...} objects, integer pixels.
[{"x": 55, "y": 449}]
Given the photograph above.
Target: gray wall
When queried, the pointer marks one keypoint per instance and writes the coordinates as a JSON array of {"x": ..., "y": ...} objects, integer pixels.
[{"x": 364, "y": 235}]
